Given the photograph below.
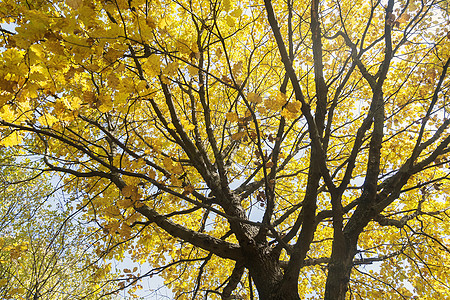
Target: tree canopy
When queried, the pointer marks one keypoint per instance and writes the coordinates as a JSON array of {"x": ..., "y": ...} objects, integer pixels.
[
  {"x": 244, "y": 149},
  {"x": 44, "y": 251}
]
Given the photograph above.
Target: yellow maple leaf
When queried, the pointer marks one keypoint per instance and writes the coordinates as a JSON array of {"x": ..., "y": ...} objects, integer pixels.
[
  {"x": 238, "y": 135},
  {"x": 177, "y": 169},
  {"x": 47, "y": 120},
  {"x": 254, "y": 98},
  {"x": 193, "y": 71},
  {"x": 36, "y": 52},
  {"x": 124, "y": 203},
  {"x": 12, "y": 139},
  {"x": 106, "y": 103},
  {"x": 232, "y": 117},
  {"x": 230, "y": 21},
  {"x": 294, "y": 107},
  {"x": 128, "y": 190},
  {"x": 226, "y": 5},
  {"x": 236, "y": 13},
  {"x": 152, "y": 65},
  {"x": 7, "y": 114},
  {"x": 171, "y": 68},
  {"x": 403, "y": 18},
  {"x": 74, "y": 4},
  {"x": 190, "y": 127}
]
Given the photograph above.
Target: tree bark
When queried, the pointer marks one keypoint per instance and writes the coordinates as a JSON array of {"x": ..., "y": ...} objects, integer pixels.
[
  {"x": 339, "y": 269},
  {"x": 265, "y": 270}
]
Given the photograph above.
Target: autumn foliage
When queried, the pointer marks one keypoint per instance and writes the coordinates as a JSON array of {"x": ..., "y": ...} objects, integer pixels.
[{"x": 241, "y": 149}]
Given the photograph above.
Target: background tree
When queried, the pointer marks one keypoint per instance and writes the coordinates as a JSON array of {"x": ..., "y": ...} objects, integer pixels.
[
  {"x": 236, "y": 147},
  {"x": 44, "y": 253}
]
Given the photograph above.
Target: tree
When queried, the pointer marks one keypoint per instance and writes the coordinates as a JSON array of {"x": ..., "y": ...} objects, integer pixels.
[
  {"x": 43, "y": 251},
  {"x": 236, "y": 147}
]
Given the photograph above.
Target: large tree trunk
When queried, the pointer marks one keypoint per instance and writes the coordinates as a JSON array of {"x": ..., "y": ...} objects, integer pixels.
[
  {"x": 265, "y": 270},
  {"x": 343, "y": 253},
  {"x": 271, "y": 291},
  {"x": 288, "y": 291},
  {"x": 338, "y": 278}
]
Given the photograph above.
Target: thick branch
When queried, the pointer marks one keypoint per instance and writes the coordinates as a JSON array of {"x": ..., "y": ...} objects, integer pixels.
[
  {"x": 233, "y": 281},
  {"x": 217, "y": 246}
]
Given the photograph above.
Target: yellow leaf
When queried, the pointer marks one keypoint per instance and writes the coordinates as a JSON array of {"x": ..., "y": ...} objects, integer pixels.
[
  {"x": 403, "y": 18},
  {"x": 237, "y": 68},
  {"x": 188, "y": 189},
  {"x": 231, "y": 117},
  {"x": 127, "y": 191},
  {"x": 150, "y": 21},
  {"x": 177, "y": 169},
  {"x": 168, "y": 163},
  {"x": 36, "y": 52},
  {"x": 226, "y": 5},
  {"x": 190, "y": 127},
  {"x": 164, "y": 22},
  {"x": 47, "y": 120},
  {"x": 230, "y": 21},
  {"x": 113, "y": 54},
  {"x": 236, "y": 13},
  {"x": 7, "y": 114},
  {"x": 294, "y": 107},
  {"x": 152, "y": 65},
  {"x": 74, "y": 4},
  {"x": 112, "y": 211},
  {"x": 11, "y": 140},
  {"x": 165, "y": 79},
  {"x": 238, "y": 135},
  {"x": 193, "y": 71},
  {"x": 171, "y": 69},
  {"x": 124, "y": 203},
  {"x": 106, "y": 103},
  {"x": 254, "y": 98},
  {"x": 136, "y": 196}
]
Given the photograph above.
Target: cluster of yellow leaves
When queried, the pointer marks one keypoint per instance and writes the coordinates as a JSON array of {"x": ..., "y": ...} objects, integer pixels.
[
  {"x": 14, "y": 250},
  {"x": 131, "y": 192}
]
